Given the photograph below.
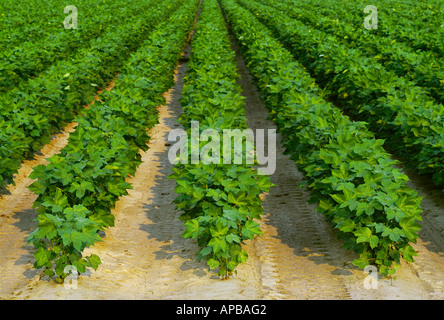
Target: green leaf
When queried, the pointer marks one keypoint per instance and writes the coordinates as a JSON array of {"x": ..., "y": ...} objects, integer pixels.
[
  {"x": 231, "y": 265},
  {"x": 192, "y": 229},
  {"x": 56, "y": 249},
  {"x": 213, "y": 263},
  {"x": 230, "y": 184},
  {"x": 73, "y": 237},
  {"x": 58, "y": 203},
  {"x": 204, "y": 252},
  {"x": 408, "y": 252},
  {"x": 80, "y": 265},
  {"x": 239, "y": 200},
  {"x": 77, "y": 239},
  {"x": 218, "y": 245},
  {"x": 394, "y": 234},
  {"x": 49, "y": 272},
  {"x": 250, "y": 229},
  {"x": 242, "y": 257},
  {"x": 90, "y": 235},
  {"x": 197, "y": 193},
  {"x": 46, "y": 228},
  {"x": 325, "y": 204},
  {"x": 342, "y": 173},
  {"x": 37, "y": 187},
  {"x": 348, "y": 226},
  {"x": 410, "y": 228},
  {"x": 41, "y": 256},
  {"x": 37, "y": 172},
  {"x": 215, "y": 194},
  {"x": 220, "y": 230},
  {"x": 78, "y": 211},
  {"x": 231, "y": 214},
  {"x": 81, "y": 188},
  {"x": 94, "y": 261},
  {"x": 373, "y": 241},
  {"x": 118, "y": 187},
  {"x": 103, "y": 218},
  {"x": 363, "y": 261},
  {"x": 264, "y": 183},
  {"x": 369, "y": 210},
  {"x": 364, "y": 234},
  {"x": 233, "y": 238},
  {"x": 339, "y": 198},
  {"x": 181, "y": 189}
]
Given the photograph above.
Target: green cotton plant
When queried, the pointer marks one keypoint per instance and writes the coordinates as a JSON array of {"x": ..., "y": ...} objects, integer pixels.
[
  {"x": 79, "y": 187},
  {"x": 60, "y": 239},
  {"x": 369, "y": 202},
  {"x": 12, "y": 143},
  {"x": 47, "y": 103},
  {"x": 396, "y": 108},
  {"x": 77, "y": 190},
  {"x": 421, "y": 67},
  {"x": 220, "y": 205},
  {"x": 31, "y": 56},
  {"x": 348, "y": 173},
  {"x": 220, "y": 202}
]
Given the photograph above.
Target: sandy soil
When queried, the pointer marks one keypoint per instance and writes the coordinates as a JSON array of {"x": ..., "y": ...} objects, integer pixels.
[
  {"x": 145, "y": 257},
  {"x": 16, "y": 220}
]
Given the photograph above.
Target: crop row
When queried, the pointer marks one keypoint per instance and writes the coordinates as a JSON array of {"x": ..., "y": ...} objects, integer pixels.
[
  {"x": 346, "y": 169},
  {"x": 219, "y": 200},
  {"x": 422, "y": 67},
  {"x": 32, "y": 20},
  {"x": 395, "y": 108},
  {"x": 26, "y": 60},
  {"x": 30, "y": 115},
  {"x": 418, "y": 25},
  {"x": 79, "y": 187}
]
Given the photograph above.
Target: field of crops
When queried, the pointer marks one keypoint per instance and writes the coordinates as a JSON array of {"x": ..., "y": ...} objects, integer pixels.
[{"x": 151, "y": 149}]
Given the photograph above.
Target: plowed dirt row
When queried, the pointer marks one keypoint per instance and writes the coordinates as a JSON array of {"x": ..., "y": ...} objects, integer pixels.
[{"x": 145, "y": 257}]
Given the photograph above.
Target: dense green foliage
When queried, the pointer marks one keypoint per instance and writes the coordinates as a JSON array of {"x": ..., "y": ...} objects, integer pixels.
[
  {"x": 348, "y": 172},
  {"x": 339, "y": 94},
  {"x": 78, "y": 189},
  {"x": 423, "y": 67},
  {"x": 220, "y": 202},
  {"x": 52, "y": 43},
  {"x": 31, "y": 113},
  {"x": 395, "y": 108}
]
